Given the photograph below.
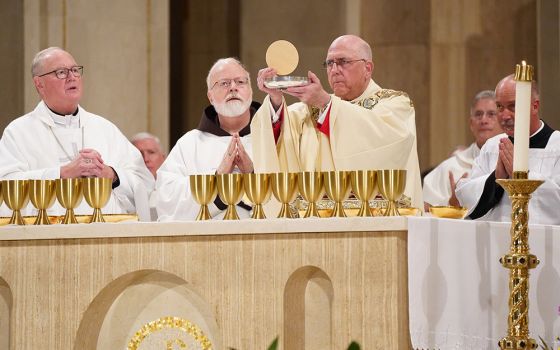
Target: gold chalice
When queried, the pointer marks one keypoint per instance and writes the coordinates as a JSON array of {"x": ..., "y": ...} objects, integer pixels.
[
  {"x": 69, "y": 194},
  {"x": 97, "y": 191},
  {"x": 204, "y": 191},
  {"x": 337, "y": 186},
  {"x": 42, "y": 195},
  {"x": 310, "y": 184},
  {"x": 15, "y": 193},
  {"x": 284, "y": 186},
  {"x": 257, "y": 189},
  {"x": 364, "y": 186},
  {"x": 391, "y": 185},
  {"x": 230, "y": 190}
]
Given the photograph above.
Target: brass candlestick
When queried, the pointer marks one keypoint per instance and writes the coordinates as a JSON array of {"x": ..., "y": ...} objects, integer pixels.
[{"x": 519, "y": 261}]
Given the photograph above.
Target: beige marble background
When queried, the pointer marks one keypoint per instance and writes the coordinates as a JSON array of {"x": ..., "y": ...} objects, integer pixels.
[{"x": 440, "y": 52}]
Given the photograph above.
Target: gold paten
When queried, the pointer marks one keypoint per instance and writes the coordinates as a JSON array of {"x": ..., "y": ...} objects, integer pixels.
[
  {"x": 523, "y": 72},
  {"x": 337, "y": 186},
  {"x": 257, "y": 189},
  {"x": 230, "y": 190},
  {"x": 391, "y": 185},
  {"x": 15, "y": 193},
  {"x": 519, "y": 261},
  {"x": 284, "y": 188},
  {"x": 204, "y": 190},
  {"x": 42, "y": 196},
  {"x": 364, "y": 186},
  {"x": 448, "y": 212},
  {"x": 310, "y": 184},
  {"x": 97, "y": 191},
  {"x": 173, "y": 332},
  {"x": 69, "y": 194}
]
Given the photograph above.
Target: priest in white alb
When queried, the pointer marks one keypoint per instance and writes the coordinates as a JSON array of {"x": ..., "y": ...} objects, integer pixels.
[
  {"x": 221, "y": 144},
  {"x": 360, "y": 126},
  {"x": 480, "y": 193},
  {"x": 60, "y": 139},
  {"x": 440, "y": 184}
]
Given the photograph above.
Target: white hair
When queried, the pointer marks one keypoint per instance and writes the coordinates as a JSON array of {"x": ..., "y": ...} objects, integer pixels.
[
  {"x": 144, "y": 136},
  {"x": 482, "y": 95},
  {"x": 37, "y": 63},
  {"x": 221, "y": 62}
]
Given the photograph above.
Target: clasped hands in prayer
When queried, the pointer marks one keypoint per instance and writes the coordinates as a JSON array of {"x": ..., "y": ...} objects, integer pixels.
[
  {"x": 88, "y": 163},
  {"x": 235, "y": 155},
  {"x": 504, "y": 166},
  {"x": 311, "y": 94}
]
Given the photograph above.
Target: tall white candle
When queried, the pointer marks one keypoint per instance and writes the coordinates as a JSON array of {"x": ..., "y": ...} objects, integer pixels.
[
  {"x": 523, "y": 78},
  {"x": 521, "y": 132}
]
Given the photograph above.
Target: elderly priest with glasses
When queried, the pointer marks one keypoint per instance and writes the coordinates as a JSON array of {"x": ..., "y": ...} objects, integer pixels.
[
  {"x": 360, "y": 126},
  {"x": 221, "y": 144},
  {"x": 60, "y": 139}
]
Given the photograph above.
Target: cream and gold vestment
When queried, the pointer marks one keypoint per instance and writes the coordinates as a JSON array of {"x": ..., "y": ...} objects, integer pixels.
[{"x": 377, "y": 130}]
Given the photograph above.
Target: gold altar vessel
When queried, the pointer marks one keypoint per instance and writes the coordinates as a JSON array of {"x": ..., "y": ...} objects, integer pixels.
[
  {"x": 97, "y": 191},
  {"x": 230, "y": 190},
  {"x": 42, "y": 196},
  {"x": 16, "y": 196},
  {"x": 204, "y": 191}
]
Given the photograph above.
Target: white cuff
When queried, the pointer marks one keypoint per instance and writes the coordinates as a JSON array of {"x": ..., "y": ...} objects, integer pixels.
[
  {"x": 275, "y": 115},
  {"x": 323, "y": 114}
]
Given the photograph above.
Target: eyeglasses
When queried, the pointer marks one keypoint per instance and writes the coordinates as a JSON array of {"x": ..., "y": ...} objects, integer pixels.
[
  {"x": 62, "y": 73},
  {"x": 479, "y": 114},
  {"x": 510, "y": 107},
  {"x": 226, "y": 83},
  {"x": 340, "y": 62}
]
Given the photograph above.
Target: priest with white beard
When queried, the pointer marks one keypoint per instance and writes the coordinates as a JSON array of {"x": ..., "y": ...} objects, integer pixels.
[
  {"x": 60, "y": 139},
  {"x": 480, "y": 193},
  {"x": 221, "y": 144}
]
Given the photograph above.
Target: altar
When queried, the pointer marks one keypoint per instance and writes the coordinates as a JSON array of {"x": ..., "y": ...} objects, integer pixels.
[
  {"x": 458, "y": 290},
  {"x": 313, "y": 283}
]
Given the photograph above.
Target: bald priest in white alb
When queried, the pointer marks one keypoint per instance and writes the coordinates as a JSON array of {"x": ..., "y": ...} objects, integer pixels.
[
  {"x": 360, "y": 126},
  {"x": 480, "y": 193},
  {"x": 59, "y": 139}
]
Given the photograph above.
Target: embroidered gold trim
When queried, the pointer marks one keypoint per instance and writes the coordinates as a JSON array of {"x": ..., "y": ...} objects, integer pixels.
[
  {"x": 170, "y": 322},
  {"x": 370, "y": 102}
]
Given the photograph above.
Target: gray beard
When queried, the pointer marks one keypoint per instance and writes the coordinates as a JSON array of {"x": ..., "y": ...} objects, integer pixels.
[{"x": 232, "y": 109}]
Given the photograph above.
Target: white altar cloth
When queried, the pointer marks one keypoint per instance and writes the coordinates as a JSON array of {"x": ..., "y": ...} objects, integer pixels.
[{"x": 458, "y": 290}]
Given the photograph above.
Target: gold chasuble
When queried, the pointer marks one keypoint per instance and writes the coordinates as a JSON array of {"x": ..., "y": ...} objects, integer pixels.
[{"x": 377, "y": 130}]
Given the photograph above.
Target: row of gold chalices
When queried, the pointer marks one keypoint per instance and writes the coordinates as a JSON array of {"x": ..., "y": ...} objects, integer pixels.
[
  {"x": 284, "y": 186},
  {"x": 68, "y": 192}
]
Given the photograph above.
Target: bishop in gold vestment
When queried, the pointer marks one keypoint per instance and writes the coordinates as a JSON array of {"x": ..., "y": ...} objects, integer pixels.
[{"x": 360, "y": 126}]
